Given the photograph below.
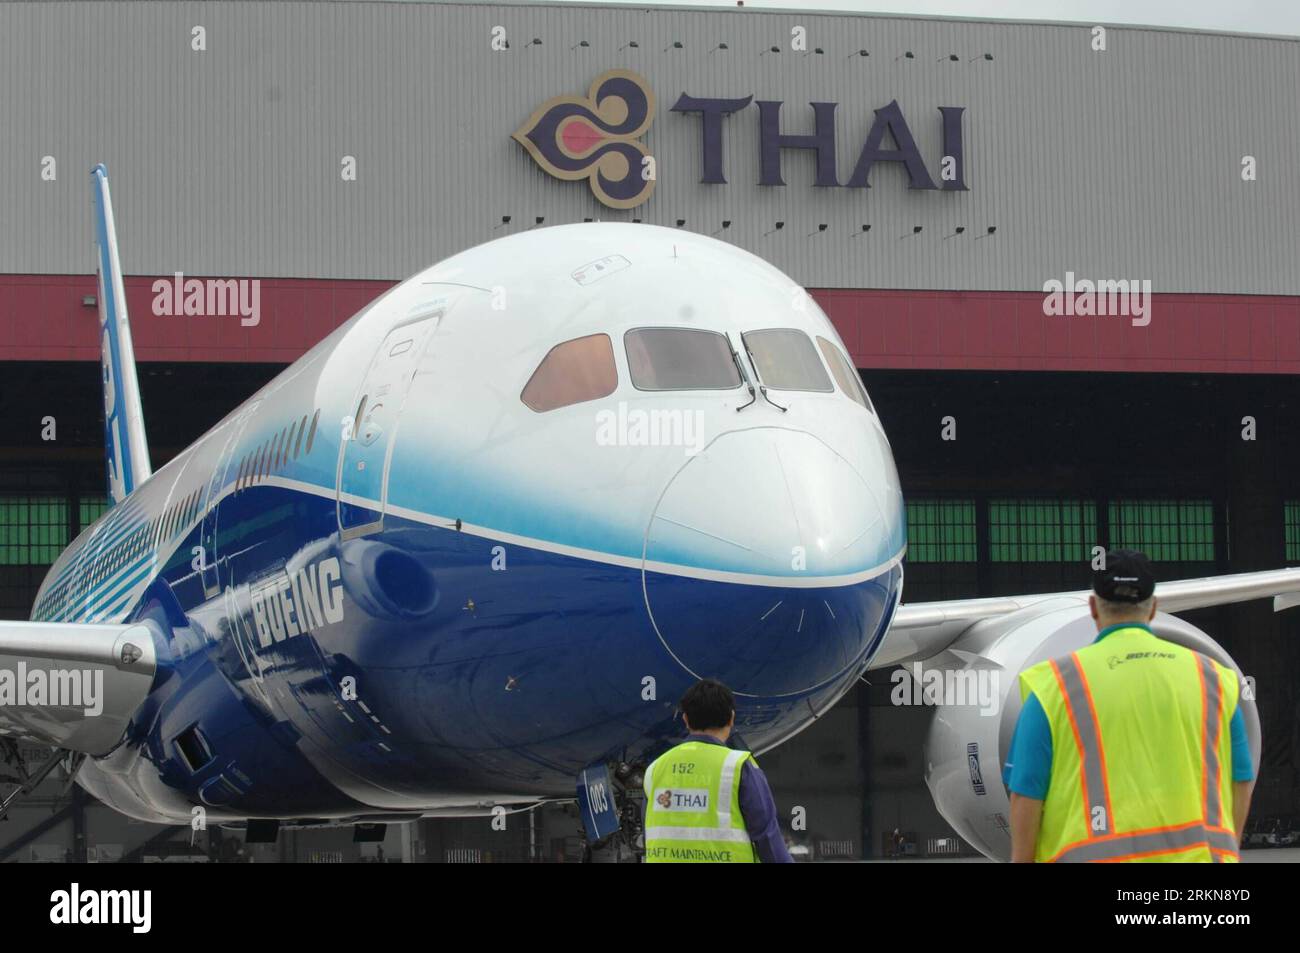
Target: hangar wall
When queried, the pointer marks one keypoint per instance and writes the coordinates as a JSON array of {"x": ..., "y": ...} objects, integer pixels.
[{"x": 1123, "y": 163}]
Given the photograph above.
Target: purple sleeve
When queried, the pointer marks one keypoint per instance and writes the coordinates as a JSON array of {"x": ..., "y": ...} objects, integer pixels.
[{"x": 759, "y": 811}]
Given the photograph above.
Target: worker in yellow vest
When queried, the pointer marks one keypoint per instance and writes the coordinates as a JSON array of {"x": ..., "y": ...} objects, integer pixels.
[
  {"x": 1132, "y": 748},
  {"x": 706, "y": 802}
]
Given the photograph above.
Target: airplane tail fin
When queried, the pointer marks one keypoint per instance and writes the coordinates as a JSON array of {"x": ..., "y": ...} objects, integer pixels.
[{"x": 124, "y": 438}]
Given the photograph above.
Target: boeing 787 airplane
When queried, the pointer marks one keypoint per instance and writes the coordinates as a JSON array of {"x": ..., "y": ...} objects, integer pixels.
[{"x": 466, "y": 553}]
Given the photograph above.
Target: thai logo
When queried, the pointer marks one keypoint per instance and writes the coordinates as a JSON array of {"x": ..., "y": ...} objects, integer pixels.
[{"x": 596, "y": 138}]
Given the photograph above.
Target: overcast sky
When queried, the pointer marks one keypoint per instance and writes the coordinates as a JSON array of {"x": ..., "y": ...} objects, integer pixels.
[{"x": 1244, "y": 16}]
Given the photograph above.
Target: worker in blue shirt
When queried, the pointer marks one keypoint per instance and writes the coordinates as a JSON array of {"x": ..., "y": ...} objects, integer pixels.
[{"x": 1122, "y": 605}]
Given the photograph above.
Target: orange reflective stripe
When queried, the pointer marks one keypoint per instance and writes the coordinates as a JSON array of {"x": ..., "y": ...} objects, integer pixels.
[
  {"x": 1087, "y": 735},
  {"x": 1211, "y": 732},
  {"x": 1078, "y": 742},
  {"x": 1101, "y": 748},
  {"x": 1153, "y": 853},
  {"x": 1146, "y": 830},
  {"x": 1148, "y": 843}
]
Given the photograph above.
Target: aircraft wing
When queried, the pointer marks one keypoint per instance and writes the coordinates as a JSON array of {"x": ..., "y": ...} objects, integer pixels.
[
  {"x": 923, "y": 629},
  {"x": 73, "y": 686}
]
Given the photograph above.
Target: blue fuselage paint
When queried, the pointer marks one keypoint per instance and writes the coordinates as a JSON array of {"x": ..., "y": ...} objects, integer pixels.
[{"x": 491, "y": 684}]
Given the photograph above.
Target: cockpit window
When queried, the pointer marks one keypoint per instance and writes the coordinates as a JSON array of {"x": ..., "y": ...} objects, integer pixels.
[
  {"x": 846, "y": 375},
  {"x": 572, "y": 372},
  {"x": 680, "y": 359},
  {"x": 786, "y": 360}
]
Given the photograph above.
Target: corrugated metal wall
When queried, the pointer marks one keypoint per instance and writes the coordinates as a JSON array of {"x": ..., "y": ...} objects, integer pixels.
[{"x": 1117, "y": 164}]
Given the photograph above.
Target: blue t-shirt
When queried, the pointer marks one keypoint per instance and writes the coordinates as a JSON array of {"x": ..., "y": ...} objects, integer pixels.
[{"x": 1029, "y": 765}]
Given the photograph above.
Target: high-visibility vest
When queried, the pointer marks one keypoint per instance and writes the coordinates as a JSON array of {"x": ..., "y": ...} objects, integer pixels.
[
  {"x": 693, "y": 806},
  {"x": 1141, "y": 752}
]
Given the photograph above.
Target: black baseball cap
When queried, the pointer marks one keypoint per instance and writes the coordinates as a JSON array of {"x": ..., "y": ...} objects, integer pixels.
[{"x": 1126, "y": 578}]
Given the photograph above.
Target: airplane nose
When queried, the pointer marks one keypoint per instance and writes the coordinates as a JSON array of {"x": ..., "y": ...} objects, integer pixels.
[{"x": 790, "y": 554}]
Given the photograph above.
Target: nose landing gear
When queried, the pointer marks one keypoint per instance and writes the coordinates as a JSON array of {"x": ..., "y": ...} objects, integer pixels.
[{"x": 612, "y": 805}]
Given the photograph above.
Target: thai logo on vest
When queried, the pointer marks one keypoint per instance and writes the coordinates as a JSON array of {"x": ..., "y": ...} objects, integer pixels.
[
  {"x": 683, "y": 799},
  {"x": 596, "y": 138}
]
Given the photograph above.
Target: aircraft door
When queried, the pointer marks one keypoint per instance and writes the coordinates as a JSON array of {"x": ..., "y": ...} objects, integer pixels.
[{"x": 367, "y": 449}]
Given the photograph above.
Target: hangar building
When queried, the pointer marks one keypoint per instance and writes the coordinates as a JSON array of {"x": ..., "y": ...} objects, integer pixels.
[{"x": 930, "y": 181}]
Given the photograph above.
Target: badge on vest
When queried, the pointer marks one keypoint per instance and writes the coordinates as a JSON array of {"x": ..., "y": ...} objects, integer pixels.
[{"x": 682, "y": 799}]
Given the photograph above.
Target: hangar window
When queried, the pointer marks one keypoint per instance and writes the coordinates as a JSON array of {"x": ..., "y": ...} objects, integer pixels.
[
  {"x": 680, "y": 359},
  {"x": 572, "y": 372},
  {"x": 941, "y": 531},
  {"x": 786, "y": 360},
  {"x": 1042, "y": 531},
  {"x": 1180, "y": 531},
  {"x": 845, "y": 374},
  {"x": 1291, "y": 520},
  {"x": 33, "y": 529},
  {"x": 92, "y": 508}
]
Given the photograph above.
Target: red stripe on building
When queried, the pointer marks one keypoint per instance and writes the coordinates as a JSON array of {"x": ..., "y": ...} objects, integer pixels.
[{"x": 42, "y": 318}]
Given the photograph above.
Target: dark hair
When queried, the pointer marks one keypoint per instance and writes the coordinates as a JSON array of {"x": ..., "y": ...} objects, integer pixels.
[{"x": 708, "y": 704}]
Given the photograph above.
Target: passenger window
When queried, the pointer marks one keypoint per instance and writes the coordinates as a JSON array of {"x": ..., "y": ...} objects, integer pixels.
[
  {"x": 357, "y": 418},
  {"x": 845, "y": 374},
  {"x": 297, "y": 444},
  {"x": 786, "y": 360},
  {"x": 680, "y": 359},
  {"x": 571, "y": 373},
  {"x": 311, "y": 434}
]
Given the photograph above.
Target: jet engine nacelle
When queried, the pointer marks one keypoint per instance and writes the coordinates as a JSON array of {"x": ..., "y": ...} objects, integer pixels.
[{"x": 975, "y": 686}]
